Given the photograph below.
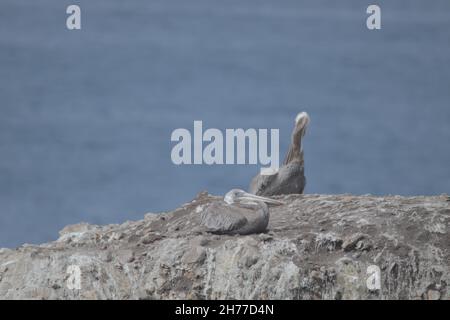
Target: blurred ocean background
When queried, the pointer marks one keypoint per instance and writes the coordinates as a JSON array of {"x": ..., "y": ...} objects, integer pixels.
[{"x": 86, "y": 116}]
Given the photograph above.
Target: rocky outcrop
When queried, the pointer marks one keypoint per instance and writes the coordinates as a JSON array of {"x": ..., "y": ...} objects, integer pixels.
[{"x": 316, "y": 247}]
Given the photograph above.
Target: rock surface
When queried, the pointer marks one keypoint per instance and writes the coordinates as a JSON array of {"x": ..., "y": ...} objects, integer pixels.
[{"x": 316, "y": 247}]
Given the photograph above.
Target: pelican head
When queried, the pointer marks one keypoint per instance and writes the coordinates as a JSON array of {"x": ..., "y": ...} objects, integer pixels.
[
  {"x": 302, "y": 120},
  {"x": 301, "y": 123},
  {"x": 238, "y": 195}
]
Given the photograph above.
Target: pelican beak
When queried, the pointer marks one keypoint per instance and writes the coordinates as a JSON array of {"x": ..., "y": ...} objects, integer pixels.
[{"x": 252, "y": 197}]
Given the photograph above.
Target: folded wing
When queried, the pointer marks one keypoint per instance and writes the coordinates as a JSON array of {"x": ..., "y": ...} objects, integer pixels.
[{"x": 220, "y": 217}]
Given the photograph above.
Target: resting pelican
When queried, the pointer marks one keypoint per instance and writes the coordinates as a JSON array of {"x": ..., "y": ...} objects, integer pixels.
[
  {"x": 239, "y": 213},
  {"x": 290, "y": 178}
]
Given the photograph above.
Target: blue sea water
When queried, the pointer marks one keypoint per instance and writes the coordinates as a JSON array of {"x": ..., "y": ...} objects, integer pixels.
[{"x": 86, "y": 116}]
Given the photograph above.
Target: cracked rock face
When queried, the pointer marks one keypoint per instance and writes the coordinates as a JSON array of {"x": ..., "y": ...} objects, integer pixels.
[{"x": 316, "y": 247}]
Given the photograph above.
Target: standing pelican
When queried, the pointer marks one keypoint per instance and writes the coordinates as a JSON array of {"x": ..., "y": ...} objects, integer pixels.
[
  {"x": 239, "y": 213},
  {"x": 290, "y": 178}
]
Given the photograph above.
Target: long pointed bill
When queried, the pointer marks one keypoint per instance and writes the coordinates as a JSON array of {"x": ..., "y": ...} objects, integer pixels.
[{"x": 249, "y": 196}]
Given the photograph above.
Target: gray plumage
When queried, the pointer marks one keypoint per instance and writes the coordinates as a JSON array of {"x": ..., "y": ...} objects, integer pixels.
[
  {"x": 290, "y": 177},
  {"x": 238, "y": 213}
]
